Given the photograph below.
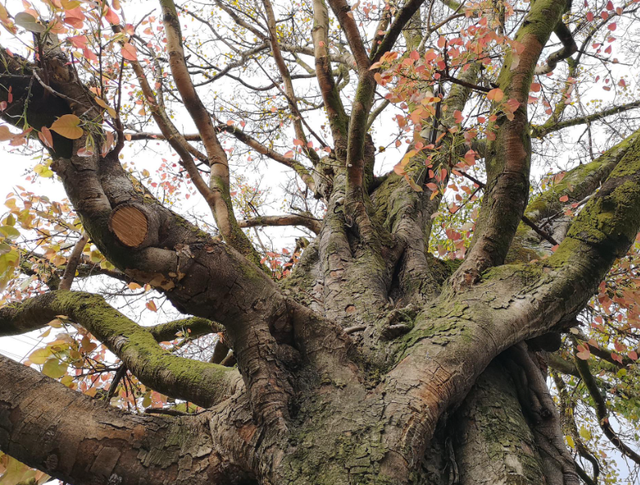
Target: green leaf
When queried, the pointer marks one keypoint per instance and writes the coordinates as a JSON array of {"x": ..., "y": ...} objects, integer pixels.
[
  {"x": 54, "y": 368},
  {"x": 10, "y": 232},
  {"x": 28, "y": 22}
]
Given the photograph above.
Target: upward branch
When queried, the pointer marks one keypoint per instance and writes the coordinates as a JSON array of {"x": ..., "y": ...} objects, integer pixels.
[{"x": 222, "y": 205}]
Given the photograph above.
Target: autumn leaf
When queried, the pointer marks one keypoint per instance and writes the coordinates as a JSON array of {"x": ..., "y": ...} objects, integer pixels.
[
  {"x": 54, "y": 368},
  {"x": 112, "y": 17},
  {"x": 495, "y": 95},
  {"x": 68, "y": 126},
  {"x": 110, "y": 110},
  {"x": 5, "y": 133},
  {"x": 152, "y": 306},
  {"x": 45, "y": 137},
  {"x": 129, "y": 52}
]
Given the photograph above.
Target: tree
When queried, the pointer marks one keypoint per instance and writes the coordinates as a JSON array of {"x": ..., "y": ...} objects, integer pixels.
[{"x": 409, "y": 342}]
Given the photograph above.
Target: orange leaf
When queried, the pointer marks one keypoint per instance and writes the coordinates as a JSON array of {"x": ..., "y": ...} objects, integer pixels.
[
  {"x": 112, "y": 17},
  {"x": 495, "y": 95},
  {"x": 152, "y": 306},
  {"x": 129, "y": 52},
  {"x": 5, "y": 134},
  {"x": 564, "y": 198},
  {"x": 68, "y": 126},
  {"x": 45, "y": 136}
]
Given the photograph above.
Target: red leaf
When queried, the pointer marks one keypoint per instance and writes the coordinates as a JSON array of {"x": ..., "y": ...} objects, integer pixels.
[
  {"x": 129, "y": 52},
  {"x": 564, "y": 198},
  {"x": 612, "y": 26},
  {"x": 112, "y": 17},
  {"x": 589, "y": 16}
]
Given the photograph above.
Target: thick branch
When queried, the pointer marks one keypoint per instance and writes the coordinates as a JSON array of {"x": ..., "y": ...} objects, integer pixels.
[
  {"x": 199, "y": 382},
  {"x": 310, "y": 223},
  {"x": 508, "y": 158},
  {"x": 84, "y": 441},
  {"x": 223, "y": 208},
  {"x": 338, "y": 119}
]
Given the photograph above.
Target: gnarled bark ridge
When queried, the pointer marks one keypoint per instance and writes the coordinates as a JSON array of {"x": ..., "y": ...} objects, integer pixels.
[{"x": 374, "y": 362}]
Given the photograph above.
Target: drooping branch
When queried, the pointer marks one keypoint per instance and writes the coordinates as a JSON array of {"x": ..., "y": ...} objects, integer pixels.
[
  {"x": 602, "y": 412},
  {"x": 568, "y": 414},
  {"x": 569, "y": 47},
  {"x": 200, "y": 382}
]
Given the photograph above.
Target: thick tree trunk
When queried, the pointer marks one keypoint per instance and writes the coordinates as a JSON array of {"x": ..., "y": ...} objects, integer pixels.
[{"x": 374, "y": 363}]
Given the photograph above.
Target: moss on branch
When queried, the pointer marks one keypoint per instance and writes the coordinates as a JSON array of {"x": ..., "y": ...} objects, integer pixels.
[{"x": 202, "y": 383}]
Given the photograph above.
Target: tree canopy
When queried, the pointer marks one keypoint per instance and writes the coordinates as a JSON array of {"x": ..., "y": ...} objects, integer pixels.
[{"x": 315, "y": 242}]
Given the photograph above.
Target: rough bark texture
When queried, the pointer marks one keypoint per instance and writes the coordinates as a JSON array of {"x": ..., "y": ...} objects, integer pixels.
[{"x": 374, "y": 362}]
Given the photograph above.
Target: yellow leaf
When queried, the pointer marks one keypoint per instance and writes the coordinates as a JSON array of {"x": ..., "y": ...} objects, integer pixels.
[
  {"x": 110, "y": 110},
  {"x": 570, "y": 442},
  {"x": 54, "y": 368},
  {"x": 68, "y": 126},
  {"x": 40, "y": 356},
  {"x": 585, "y": 433}
]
